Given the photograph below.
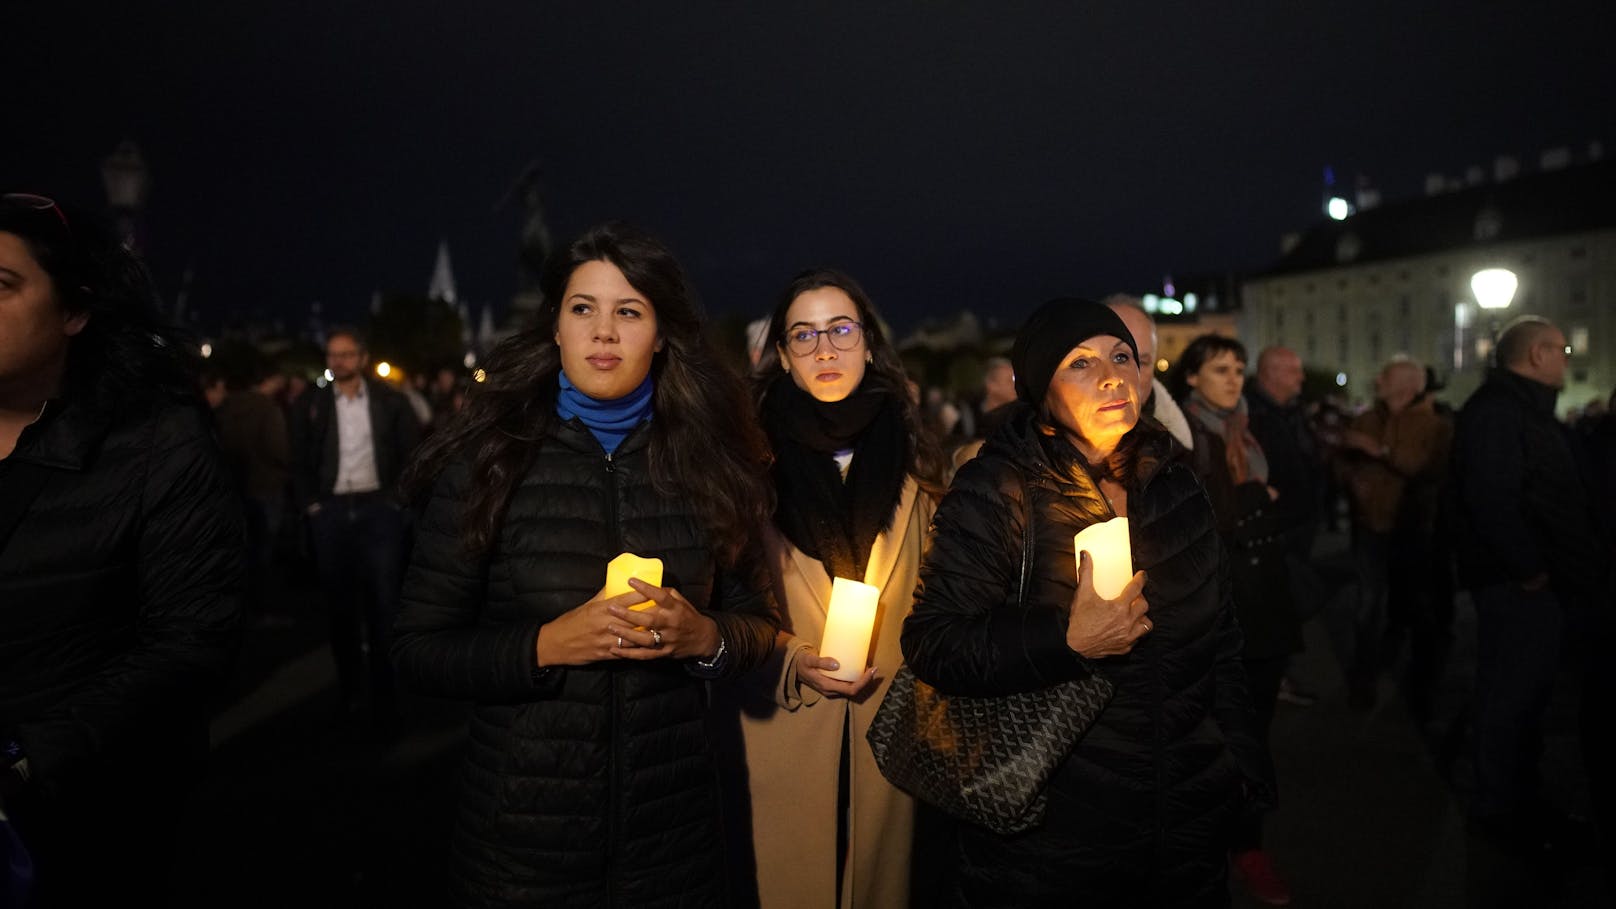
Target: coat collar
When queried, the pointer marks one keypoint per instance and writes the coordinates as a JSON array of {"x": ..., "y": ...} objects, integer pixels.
[
  {"x": 65, "y": 436},
  {"x": 883, "y": 554}
]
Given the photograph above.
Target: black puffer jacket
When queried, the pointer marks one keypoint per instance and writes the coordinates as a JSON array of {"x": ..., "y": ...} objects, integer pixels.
[
  {"x": 588, "y": 785},
  {"x": 119, "y": 593},
  {"x": 1138, "y": 811}
]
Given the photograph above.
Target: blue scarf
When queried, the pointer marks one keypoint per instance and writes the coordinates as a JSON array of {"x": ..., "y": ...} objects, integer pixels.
[{"x": 610, "y": 421}]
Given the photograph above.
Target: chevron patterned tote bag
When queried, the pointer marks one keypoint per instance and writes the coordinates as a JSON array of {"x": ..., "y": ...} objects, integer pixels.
[{"x": 984, "y": 760}]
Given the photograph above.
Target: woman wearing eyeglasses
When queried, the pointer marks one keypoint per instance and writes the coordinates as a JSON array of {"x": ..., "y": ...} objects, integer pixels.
[
  {"x": 120, "y": 564},
  {"x": 854, "y": 479},
  {"x": 611, "y": 427}
]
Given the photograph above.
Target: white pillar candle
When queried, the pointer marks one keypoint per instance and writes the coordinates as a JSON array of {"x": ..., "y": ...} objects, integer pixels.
[
  {"x": 1108, "y": 548},
  {"x": 628, "y": 565},
  {"x": 848, "y": 625}
]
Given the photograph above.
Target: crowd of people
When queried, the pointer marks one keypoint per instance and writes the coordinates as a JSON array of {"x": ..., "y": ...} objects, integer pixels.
[{"x": 685, "y": 742}]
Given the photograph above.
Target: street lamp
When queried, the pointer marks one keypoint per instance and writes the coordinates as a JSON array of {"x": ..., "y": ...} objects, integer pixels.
[{"x": 1494, "y": 287}]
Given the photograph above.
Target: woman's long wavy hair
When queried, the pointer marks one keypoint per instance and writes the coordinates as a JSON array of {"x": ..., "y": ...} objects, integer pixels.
[
  {"x": 704, "y": 445},
  {"x": 926, "y": 462},
  {"x": 128, "y": 351}
]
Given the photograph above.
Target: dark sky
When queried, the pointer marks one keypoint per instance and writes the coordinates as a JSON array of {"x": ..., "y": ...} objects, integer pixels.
[{"x": 982, "y": 155}]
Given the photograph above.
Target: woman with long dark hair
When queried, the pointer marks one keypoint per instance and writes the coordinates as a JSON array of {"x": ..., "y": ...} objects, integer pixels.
[
  {"x": 1207, "y": 381},
  {"x": 1138, "y": 808},
  {"x": 611, "y": 427},
  {"x": 120, "y": 561},
  {"x": 855, "y": 478}
]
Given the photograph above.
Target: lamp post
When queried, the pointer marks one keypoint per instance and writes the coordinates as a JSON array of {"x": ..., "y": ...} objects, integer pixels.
[{"x": 126, "y": 180}]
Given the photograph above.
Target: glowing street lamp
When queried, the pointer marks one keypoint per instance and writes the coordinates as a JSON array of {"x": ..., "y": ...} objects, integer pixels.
[
  {"x": 1494, "y": 287},
  {"x": 1338, "y": 208}
]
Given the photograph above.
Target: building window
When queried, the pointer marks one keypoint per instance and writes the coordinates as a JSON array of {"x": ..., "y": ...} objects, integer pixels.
[{"x": 1403, "y": 306}]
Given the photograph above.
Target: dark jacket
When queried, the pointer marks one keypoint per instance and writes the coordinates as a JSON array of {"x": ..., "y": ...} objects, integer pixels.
[
  {"x": 252, "y": 435},
  {"x": 1522, "y": 508},
  {"x": 119, "y": 610},
  {"x": 1138, "y": 811},
  {"x": 1253, "y": 533},
  {"x": 585, "y": 785},
  {"x": 394, "y": 430},
  {"x": 1295, "y": 464}
]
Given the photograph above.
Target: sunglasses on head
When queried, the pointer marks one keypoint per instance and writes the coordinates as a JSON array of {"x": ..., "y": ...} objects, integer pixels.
[{"x": 37, "y": 203}]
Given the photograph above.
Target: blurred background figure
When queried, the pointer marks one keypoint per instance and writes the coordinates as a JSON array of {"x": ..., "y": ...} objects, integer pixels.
[
  {"x": 1534, "y": 560},
  {"x": 1158, "y": 404},
  {"x": 1208, "y": 379},
  {"x": 1395, "y": 456},
  {"x": 120, "y": 562},
  {"x": 251, "y": 426},
  {"x": 350, "y": 442}
]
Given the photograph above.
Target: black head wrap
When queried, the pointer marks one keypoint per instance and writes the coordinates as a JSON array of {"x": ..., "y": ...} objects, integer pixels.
[{"x": 1051, "y": 332}]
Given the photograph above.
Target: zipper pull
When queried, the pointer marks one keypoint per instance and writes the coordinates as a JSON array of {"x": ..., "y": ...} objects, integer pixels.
[{"x": 610, "y": 467}]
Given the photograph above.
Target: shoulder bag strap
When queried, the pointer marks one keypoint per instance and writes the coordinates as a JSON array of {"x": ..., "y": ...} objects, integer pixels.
[{"x": 1026, "y": 540}]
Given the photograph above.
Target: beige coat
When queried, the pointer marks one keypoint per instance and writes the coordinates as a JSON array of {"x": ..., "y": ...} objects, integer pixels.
[{"x": 793, "y": 738}]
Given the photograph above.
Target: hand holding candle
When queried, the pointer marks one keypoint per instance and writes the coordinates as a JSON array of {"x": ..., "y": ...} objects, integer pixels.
[
  {"x": 1107, "y": 612},
  {"x": 1109, "y": 548},
  {"x": 848, "y": 626}
]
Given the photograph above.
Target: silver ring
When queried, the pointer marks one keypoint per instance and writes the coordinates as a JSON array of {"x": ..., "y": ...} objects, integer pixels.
[
  {"x": 656, "y": 638},
  {"x": 619, "y": 642}
]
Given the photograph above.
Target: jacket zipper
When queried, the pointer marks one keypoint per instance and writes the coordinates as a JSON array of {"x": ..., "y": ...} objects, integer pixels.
[{"x": 614, "y": 786}]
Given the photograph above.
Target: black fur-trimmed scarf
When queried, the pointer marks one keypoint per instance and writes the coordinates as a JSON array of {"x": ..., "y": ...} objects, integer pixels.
[{"x": 829, "y": 519}]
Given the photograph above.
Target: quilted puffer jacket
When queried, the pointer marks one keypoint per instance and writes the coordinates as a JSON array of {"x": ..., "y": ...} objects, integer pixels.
[
  {"x": 1138, "y": 812},
  {"x": 119, "y": 595},
  {"x": 582, "y": 785}
]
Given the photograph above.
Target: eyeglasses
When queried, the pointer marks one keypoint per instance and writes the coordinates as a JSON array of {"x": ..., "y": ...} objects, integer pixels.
[
  {"x": 37, "y": 203},
  {"x": 842, "y": 335}
]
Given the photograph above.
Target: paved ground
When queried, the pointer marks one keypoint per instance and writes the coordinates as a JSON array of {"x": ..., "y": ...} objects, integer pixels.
[{"x": 300, "y": 809}]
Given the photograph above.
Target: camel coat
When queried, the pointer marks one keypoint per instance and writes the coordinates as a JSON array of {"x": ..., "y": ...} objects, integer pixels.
[{"x": 793, "y": 737}]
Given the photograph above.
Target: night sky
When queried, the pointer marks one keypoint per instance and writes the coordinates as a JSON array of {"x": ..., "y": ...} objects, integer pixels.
[{"x": 982, "y": 155}]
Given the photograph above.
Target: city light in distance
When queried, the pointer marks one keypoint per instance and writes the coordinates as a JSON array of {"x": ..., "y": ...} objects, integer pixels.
[
  {"x": 207, "y": 350},
  {"x": 1338, "y": 208},
  {"x": 1494, "y": 287},
  {"x": 1341, "y": 379},
  {"x": 384, "y": 369},
  {"x": 328, "y": 377},
  {"x": 471, "y": 359}
]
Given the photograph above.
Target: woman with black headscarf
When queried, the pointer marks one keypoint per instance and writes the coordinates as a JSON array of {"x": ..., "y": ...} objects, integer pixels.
[
  {"x": 854, "y": 476},
  {"x": 1138, "y": 811}
]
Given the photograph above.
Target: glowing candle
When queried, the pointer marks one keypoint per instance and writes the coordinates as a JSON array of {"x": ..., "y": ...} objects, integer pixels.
[
  {"x": 628, "y": 565},
  {"x": 1109, "y": 552},
  {"x": 848, "y": 625}
]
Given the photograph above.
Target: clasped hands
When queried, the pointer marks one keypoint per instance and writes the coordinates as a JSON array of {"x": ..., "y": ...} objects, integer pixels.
[
  {"x": 1097, "y": 627},
  {"x": 607, "y": 629}
]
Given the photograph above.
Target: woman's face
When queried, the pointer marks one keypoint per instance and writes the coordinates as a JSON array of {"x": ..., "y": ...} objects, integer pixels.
[
  {"x": 1220, "y": 379},
  {"x": 607, "y": 332},
  {"x": 34, "y": 329},
  {"x": 824, "y": 317},
  {"x": 1094, "y": 393}
]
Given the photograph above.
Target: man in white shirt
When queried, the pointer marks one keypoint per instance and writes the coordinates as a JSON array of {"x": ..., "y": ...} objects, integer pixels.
[{"x": 350, "y": 442}]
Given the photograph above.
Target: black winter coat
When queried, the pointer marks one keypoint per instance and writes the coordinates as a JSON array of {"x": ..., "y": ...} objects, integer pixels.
[
  {"x": 119, "y": 612},
  {"x": 1252, "y": 528},
  {"x": 1521, "y": 504},
  {"x": 582, "y": 785},
  {"x": 1138, "y": 812}
]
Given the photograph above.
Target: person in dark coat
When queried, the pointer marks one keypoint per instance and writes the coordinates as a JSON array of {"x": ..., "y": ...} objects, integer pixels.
[
  {"x": 1139, "y": 811},
  {"x": 1208, "y": 379},
  {"x": 1533, "y": 557},
  {"x": 612, "y": 427},
  {"x": 350, "y": 441},
  {"x": 120, "y": 563}
]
